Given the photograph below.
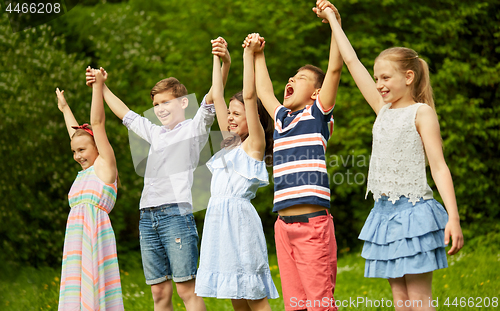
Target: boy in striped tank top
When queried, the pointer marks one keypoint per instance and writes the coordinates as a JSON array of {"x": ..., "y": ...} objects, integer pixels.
[{"x": 304, "y": 231}]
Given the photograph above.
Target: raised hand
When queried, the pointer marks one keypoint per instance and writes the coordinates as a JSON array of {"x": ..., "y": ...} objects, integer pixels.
[
  {"x": 219, "y": 48},
  {"x": 254, "y": 42},
  {"x": 104, "y": 74},
  {"x": 61, "y": 101},
  {"x": 100, "y": 75},
  {"x": 89, "y": 76},
  {"x": 323, "y": 8}
]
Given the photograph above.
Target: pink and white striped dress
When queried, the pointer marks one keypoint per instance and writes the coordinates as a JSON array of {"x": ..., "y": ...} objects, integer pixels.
[{"x": 90, "y": 278}]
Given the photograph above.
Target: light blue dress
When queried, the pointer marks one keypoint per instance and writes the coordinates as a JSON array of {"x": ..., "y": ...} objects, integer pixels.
[
  {"x": 233, "y": 259},
  {"x": 402, "y": 238}
]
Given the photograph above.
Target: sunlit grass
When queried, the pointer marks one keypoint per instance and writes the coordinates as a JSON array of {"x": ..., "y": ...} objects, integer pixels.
[{"x": 471, "y": 275}]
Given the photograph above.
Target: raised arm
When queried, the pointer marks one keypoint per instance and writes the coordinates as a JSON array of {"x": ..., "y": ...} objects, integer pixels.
[
  {"x": 256, "y": 135},
  {"x": 114, "y": 103},
  {"x": 219, "y": 48},
  {"x": 428, "y": 127},
  {"x": 359, "y": 73},
  {"x": 263, "y": 82},
  {"x": 105, "y": 164},
  {"x": 69, "y": 118},
  {"x": 328, "y": 91},
  {"x": 218, "y": 96}
]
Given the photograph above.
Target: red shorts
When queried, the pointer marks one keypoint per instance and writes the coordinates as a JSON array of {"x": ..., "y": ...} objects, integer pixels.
[{"x": 307, "y": 258}]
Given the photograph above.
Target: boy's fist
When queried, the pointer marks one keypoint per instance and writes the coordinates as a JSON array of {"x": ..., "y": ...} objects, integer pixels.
[{"x": 99, "y": 77}]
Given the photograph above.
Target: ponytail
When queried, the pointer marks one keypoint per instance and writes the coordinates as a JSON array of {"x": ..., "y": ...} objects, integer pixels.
[
  {"x": 422, "y": 89},
  {"x": 408, "y": 59}
]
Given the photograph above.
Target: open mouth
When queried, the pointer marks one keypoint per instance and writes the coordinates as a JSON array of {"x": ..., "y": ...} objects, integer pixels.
[
  {"x": 383, "y": 93},
  {"x": 232, "y": 126},
  {"x": 288, "y": 91}
]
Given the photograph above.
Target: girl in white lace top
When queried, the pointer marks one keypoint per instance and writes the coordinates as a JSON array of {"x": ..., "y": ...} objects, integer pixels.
[{"x": 407, "y": 230}]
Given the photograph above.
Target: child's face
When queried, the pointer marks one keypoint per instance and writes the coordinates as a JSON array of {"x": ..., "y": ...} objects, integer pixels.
[
  {"x": 84, "y": 150},
  {"x": 169, "y": 109},
  {"x": 236, "y": 118},
  {"x": 391, "y": 82},
  {"x": 300, "y": 90}
]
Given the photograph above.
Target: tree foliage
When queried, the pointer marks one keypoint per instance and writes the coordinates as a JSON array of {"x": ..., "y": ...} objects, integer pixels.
[{"x": 141, "y": 42}]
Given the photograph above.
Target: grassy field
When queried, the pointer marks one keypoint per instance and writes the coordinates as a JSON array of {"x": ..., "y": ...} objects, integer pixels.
[{"x": 473, "y": 277}]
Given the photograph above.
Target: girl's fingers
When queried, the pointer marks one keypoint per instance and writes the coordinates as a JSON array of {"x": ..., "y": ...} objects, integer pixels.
[
  {"x": 453, "y": 249},
  {"x": 222, "y": 51}
]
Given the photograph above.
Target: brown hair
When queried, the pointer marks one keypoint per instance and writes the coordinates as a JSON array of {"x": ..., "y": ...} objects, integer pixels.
[
  {"x": 319, "y": 74},
  {"x": 407, "y": 59},
  {"x": 267, "y": 124},
  {"x": 171, "y": 85}
]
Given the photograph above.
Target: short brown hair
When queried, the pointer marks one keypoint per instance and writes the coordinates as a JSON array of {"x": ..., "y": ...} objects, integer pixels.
[
  {"x": 171, "y": 85},
  {"x": 320, "y": 75}
]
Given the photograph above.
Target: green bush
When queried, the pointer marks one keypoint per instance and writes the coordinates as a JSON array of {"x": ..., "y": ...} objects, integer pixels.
[{"x": 141, "y": 42}]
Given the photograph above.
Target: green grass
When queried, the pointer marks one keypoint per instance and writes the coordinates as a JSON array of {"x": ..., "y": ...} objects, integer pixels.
[{"x": 471, "y": 274}]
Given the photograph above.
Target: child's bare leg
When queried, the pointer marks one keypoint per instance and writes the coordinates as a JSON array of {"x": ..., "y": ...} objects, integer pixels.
[
  {"x": 240, "y": 305},
  {"x": 162, "y": 296},
  {"x": 190, "y": 299},
  {"x": 419, "y": 287},
  {"x": 399, "y": 293},
  {"x": 259, "y": 305}
]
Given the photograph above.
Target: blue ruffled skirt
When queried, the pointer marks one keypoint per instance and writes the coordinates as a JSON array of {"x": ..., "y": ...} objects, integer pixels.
[{"x": 403, "y": 238}]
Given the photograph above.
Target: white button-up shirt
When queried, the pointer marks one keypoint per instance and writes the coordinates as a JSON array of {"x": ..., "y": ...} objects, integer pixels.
[{"x": 173, "y": 157}]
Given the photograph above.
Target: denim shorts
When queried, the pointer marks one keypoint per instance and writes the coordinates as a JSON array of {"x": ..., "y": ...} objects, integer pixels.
[{"x": 169, "y": 244}]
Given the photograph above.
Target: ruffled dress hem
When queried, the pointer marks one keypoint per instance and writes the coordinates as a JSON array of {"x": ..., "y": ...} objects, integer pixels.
[
  {"x": 236, "y": 286},
  {"x": 404, "y": 239}
]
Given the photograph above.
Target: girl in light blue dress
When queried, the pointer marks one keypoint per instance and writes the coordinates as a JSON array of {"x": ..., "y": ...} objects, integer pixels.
[{"x": 233, "y": 259}]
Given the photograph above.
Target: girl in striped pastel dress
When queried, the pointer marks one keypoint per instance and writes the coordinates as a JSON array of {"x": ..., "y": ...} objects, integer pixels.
[{"x": 90, "y": 278}]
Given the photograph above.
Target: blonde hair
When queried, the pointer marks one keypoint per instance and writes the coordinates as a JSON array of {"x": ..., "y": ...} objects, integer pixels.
[{"x": 407, "y": 59}]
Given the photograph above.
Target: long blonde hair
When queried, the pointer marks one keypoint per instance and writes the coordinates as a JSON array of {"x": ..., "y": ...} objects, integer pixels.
[{"x": 407, "y": 59}]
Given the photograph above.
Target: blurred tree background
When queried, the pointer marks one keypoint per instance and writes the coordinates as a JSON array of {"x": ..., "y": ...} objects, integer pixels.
[{"x": 141, "y": 42}]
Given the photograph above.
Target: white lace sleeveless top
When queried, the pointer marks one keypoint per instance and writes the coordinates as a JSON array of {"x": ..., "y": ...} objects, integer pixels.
[{"x": 397, "y": 164}]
